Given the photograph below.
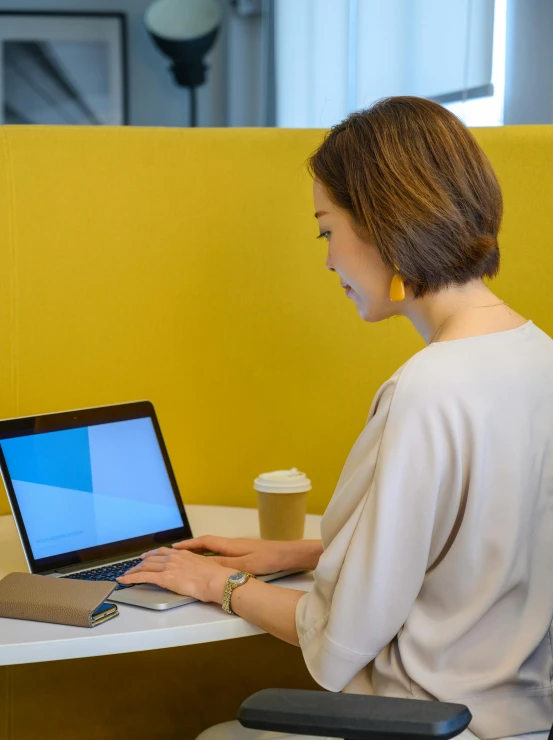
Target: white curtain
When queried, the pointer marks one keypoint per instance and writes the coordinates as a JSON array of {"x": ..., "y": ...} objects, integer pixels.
[{"x": 336, "y": 56}]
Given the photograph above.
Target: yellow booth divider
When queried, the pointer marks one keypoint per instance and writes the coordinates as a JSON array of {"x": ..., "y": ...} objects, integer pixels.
[{"x": 181, "y": 266}]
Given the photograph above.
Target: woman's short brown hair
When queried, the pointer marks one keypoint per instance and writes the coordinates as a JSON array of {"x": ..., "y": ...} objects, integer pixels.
[{"x": 416, "y": 184}]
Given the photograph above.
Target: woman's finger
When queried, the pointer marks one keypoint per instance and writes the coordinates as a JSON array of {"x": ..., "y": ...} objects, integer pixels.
[
  {"x": 160, "y": 579},
  {"x": 206, "y": 542},
  {"x": 150, "y": 559},
  {"x": 158, "y": 551},
  {"x": 148, "y": 565}
]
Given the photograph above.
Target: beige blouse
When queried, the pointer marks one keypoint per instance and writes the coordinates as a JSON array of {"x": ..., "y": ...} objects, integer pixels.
[{"x": 436, "y": 579}]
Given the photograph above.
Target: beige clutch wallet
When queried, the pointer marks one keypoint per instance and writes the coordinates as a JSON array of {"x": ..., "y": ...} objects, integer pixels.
[{"x": 59, "y": 600}]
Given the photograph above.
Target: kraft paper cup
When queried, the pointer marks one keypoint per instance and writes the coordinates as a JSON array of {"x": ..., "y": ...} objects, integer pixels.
[{"x": 282, "y": 504}]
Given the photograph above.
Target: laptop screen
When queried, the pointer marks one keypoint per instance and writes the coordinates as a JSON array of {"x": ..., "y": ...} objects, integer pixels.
[{"x": 81, "y": 488}]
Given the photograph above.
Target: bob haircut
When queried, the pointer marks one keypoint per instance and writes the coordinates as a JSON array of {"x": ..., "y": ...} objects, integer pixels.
[{"x": 415, "y": 184}]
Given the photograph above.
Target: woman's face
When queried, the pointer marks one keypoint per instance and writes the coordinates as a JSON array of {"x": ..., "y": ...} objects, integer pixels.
[{"x": 357, "y": 262}]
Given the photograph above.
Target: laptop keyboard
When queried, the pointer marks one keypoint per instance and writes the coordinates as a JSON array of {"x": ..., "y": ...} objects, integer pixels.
[{"x": 106, "y": 573}]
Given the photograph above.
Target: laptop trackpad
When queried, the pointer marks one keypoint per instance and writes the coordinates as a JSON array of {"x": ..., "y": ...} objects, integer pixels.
[{"x": 150, "y": 596}]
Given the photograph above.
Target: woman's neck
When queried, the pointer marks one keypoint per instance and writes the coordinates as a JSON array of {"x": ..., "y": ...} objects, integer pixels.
[{"x": 458, "y": 311}]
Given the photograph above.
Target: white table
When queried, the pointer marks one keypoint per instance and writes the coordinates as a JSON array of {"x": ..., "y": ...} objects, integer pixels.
[{"x": 136, "y": 628}]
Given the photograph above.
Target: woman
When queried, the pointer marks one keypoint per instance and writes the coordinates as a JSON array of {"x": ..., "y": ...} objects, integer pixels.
[{"x": 434, "y": 576}]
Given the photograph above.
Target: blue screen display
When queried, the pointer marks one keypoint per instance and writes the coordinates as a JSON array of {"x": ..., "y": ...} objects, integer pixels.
[{"x": 91, "y": 486}]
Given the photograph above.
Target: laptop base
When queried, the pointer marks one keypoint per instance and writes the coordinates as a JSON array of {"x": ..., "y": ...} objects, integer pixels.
[{"x": 150, "y": 596}]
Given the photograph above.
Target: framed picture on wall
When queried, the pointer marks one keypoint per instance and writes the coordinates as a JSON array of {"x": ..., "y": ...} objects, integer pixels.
[{"x": 63, "y": 68}]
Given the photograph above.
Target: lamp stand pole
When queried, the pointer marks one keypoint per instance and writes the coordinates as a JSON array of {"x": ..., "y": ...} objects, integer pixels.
[
  {"x": 193, "y": 106},
  {"x": 190, "y": 73}
]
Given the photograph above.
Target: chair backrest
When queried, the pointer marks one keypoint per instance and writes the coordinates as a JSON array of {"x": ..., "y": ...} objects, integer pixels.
[{"x": 181, "y": 266}]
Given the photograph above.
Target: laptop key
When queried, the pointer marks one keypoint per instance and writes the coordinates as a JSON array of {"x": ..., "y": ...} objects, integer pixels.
[
  {"x": 107, "y": 573},
  {"x": 82, "y": 577}
]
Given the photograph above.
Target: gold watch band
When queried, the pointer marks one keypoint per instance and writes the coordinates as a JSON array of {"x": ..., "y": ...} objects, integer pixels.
[{"x": 229, "y": 588}]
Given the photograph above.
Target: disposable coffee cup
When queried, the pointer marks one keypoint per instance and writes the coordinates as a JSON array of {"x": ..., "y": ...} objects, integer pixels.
[{"x": 282, "y": 504}]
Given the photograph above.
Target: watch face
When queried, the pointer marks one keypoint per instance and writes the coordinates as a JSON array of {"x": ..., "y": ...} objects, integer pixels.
[{"x": 238, "y": 577}]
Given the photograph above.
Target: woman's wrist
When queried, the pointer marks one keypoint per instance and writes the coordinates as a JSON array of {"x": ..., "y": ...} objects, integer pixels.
[
  {"x": 305, "y": 554},
  {"x": 298, "y": 554},
  {"x": 216, "y": 587}
]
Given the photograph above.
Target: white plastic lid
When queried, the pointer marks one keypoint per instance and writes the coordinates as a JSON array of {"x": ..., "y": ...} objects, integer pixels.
[{"x": 282, "y": 481}]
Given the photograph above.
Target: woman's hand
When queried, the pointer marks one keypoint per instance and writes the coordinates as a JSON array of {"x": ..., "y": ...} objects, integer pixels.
[
  {"x": 182, "y": 572},
  {"x": 253, "y": 556}
]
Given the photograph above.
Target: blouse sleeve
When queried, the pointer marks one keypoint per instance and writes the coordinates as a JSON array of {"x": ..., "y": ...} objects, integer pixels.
[{"x": 378, "y": 531}]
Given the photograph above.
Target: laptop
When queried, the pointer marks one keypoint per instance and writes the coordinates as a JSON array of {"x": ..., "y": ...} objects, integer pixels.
[{"x": 92, "y": 489}]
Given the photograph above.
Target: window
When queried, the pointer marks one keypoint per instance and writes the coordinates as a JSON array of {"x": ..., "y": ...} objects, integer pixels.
[
  {"x": 489, "y": 111},
  {"x": 337, "y": 56}
]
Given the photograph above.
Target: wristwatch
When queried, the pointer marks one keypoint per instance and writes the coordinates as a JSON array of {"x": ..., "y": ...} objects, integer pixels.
[{"x": 233, "y": 581}]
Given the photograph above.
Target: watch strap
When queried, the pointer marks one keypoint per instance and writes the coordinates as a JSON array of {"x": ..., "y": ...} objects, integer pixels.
[{"x": 229, "y": 588}]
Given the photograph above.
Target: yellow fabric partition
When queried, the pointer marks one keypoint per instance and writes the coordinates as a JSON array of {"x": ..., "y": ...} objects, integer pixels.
[{"x": 181, "y": 266}]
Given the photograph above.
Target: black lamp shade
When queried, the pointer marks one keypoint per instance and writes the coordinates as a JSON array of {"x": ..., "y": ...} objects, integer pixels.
[{"x": 188, "y": 66}]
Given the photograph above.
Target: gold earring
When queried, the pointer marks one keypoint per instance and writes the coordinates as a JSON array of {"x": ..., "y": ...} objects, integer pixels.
[{"x": 397, "y": 288}]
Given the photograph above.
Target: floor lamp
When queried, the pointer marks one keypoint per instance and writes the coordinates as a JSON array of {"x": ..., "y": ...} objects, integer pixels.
[{"x": 185, "y": 30}]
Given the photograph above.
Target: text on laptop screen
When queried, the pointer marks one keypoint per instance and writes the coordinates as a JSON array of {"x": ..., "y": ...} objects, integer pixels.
[{"x": 90, "y": 486}]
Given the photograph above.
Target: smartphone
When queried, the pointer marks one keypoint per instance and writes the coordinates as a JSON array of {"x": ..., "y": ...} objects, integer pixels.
[{"x": 104, "y": 612}]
